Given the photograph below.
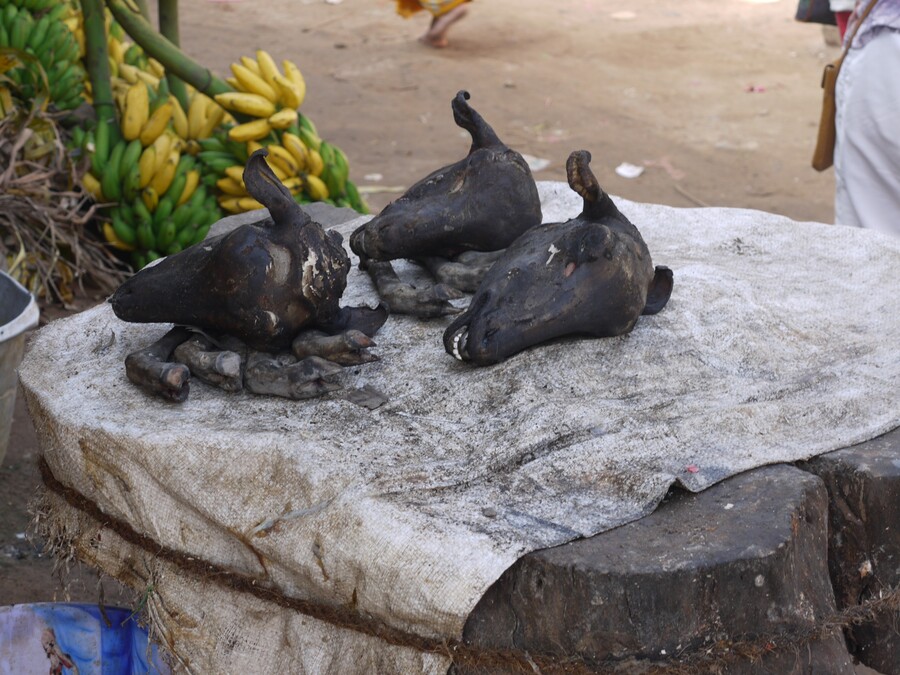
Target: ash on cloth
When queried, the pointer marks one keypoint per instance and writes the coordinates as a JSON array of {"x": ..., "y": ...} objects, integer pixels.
[{"x": 778, "y": 344}]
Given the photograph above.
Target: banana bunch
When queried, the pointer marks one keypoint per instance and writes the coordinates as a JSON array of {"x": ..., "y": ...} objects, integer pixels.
[
  {"x": 264, "y": 93},
  {"x": 160, "y": 205},
  {"x": 310, "y": 168},
  {"x": 40, "y": 28}
]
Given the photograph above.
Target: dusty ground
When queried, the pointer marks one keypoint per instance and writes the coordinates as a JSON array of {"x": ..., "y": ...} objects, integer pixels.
[{"x": 718, "y": 99}]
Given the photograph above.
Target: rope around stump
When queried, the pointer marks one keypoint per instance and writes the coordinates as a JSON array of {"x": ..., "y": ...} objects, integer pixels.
[{"x": 465, "y": 655}]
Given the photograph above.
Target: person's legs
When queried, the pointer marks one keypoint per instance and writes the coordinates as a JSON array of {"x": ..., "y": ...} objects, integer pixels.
[
  {"x": 867, "y": 150},
  {"x": 437, "y": 33}
]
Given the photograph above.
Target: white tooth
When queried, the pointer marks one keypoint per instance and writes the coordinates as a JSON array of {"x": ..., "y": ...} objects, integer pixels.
[{"x": 456, "y": 346}]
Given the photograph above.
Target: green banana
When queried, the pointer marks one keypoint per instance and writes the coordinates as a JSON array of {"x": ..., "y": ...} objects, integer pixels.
[
  {"x": 132, "y": 54},
  {"x": 21, "y": 29},
  {"x": 38, "y": 33},
  {"x": 60, "y": 9},
  {"x": 306, "y": 123},
  {"x": 123, "y": 230},
  {"x": 141, "y": 213},
  {"x": 163, "y": 210},
  {"x": 182, "y": 217},
  {"x": 211, "y": 144},
  {"x": 202, "y": 232},
  {"x": 355, "y": 198},
  {"x": 145, "y": 237},
  {"x": 130, "y": 158},
  {"x": 310, "y": 138},
  {"x": 166, "y": 235},
  {"x": 176, "y": 188},
  {"x": 131, "y": 185},
  {"x": 9, "y": 15},
  {"x": 110, "y": 182}
]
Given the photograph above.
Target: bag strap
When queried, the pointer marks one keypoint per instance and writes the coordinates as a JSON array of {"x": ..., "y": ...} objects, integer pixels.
[{"x": 856, "y": 26}]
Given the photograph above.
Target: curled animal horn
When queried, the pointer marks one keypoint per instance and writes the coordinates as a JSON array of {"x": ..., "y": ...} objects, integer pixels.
[
  {"x": 581, "y": 178},
  {"x": 465, "y": 116},
  {"x": 265, "y": 187}
]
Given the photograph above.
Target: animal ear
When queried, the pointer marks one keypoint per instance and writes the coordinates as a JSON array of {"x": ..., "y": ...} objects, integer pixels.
[{"x": 660, "y": 290}]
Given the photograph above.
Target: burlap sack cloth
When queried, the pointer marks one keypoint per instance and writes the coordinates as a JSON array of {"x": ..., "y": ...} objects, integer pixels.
[{"x": 250, "y": 516}]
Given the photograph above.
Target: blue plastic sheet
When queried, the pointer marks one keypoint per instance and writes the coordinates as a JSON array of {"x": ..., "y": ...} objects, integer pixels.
[{"x": 69, "y": 639}]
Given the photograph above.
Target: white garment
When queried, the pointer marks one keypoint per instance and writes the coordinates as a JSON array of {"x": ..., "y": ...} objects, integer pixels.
[
  {"x": 841, "y": 5},
  {"x": 867, "y": 150}
]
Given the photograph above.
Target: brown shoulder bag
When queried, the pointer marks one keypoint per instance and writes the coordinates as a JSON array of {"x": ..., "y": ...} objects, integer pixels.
[{"x": 823, "y": 156}]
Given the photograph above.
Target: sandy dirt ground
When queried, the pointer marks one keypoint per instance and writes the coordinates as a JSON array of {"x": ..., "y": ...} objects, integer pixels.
[{"x": 717, "y": 100}]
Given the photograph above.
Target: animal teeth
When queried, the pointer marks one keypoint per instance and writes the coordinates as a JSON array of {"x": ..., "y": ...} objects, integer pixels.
[{"x": 459, "y": 345}]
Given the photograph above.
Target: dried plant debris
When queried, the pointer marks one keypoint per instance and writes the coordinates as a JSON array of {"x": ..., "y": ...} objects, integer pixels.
[{"x": 45, "y": 238}]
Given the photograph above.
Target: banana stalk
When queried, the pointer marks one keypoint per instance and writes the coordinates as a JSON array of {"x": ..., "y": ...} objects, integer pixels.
[
  {"x": 97, "y": 63},
  {"x": 168, "y": 26},
  {"x": 161, "y": 49}
]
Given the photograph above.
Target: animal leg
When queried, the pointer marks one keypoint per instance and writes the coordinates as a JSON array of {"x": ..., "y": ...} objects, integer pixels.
[
  {"x": 349, "y": 348},
  {"x": 464, "y": 272},
  {"x": 220, "y": 368},
  {"x": 287, "y": 377},
  {"x": 403, "y": 298},
  {"x": 150, "y": 369}
]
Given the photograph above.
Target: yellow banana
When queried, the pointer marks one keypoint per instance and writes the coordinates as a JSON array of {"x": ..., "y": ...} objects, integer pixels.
[
  {"x": 267, "y": 68},
  {"x": 278, "y": 169},
  {"x": 293, "y": 74},
  {"x": 249, "y": 204},
  {"x": 230, "y": 204},
  {"x": 250, "y": 82},
  {"x": 163, "y": 146},
  {"x": 283, "y": 158},
  {"x": 92, "y": 186},
  {"x": 294, "y": 184},
  {"x": 179, "y": 119},
  {"x": 157, "y": 123},
  {"x": 295, "y": 146},
  {"x": 214, "y": 116},
  {"x": 196, "y": 115},
  {"x": 250, "y": 64},
  {"x": 248, "y": 104},
  {"x": 152, "y": 80},
  {"x": 162, "y": 179},
  {"x": 156, "y": 68},
  {"x": 192, "y": 180},
  {"x": 113, "y": 239},
  {"x": 150, "y": 198},
  {"x": 236, "y": 173},
  {"x": 316, "y": 188},
  {"x": 283, "y": 118},
  {"x": 230, "y": 186},
  {"x": 128, "y": 73},
  {"x": 137, "y": 111},
  {"x": 253, "y": 146},
  {"x": 314, "y": 163},
  {"x": 233, "y": 83},
  {"x": 147, "y": 165},
  {"x": 250, "y": 131},
  {"x": 288, "y": 93},
  {"x": 116, "y": 49}
]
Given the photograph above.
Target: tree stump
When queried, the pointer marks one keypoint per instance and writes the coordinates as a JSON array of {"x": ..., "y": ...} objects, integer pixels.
[
  {"x": 742, "y": 562},
  {"x": 864, "y": 540}
]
